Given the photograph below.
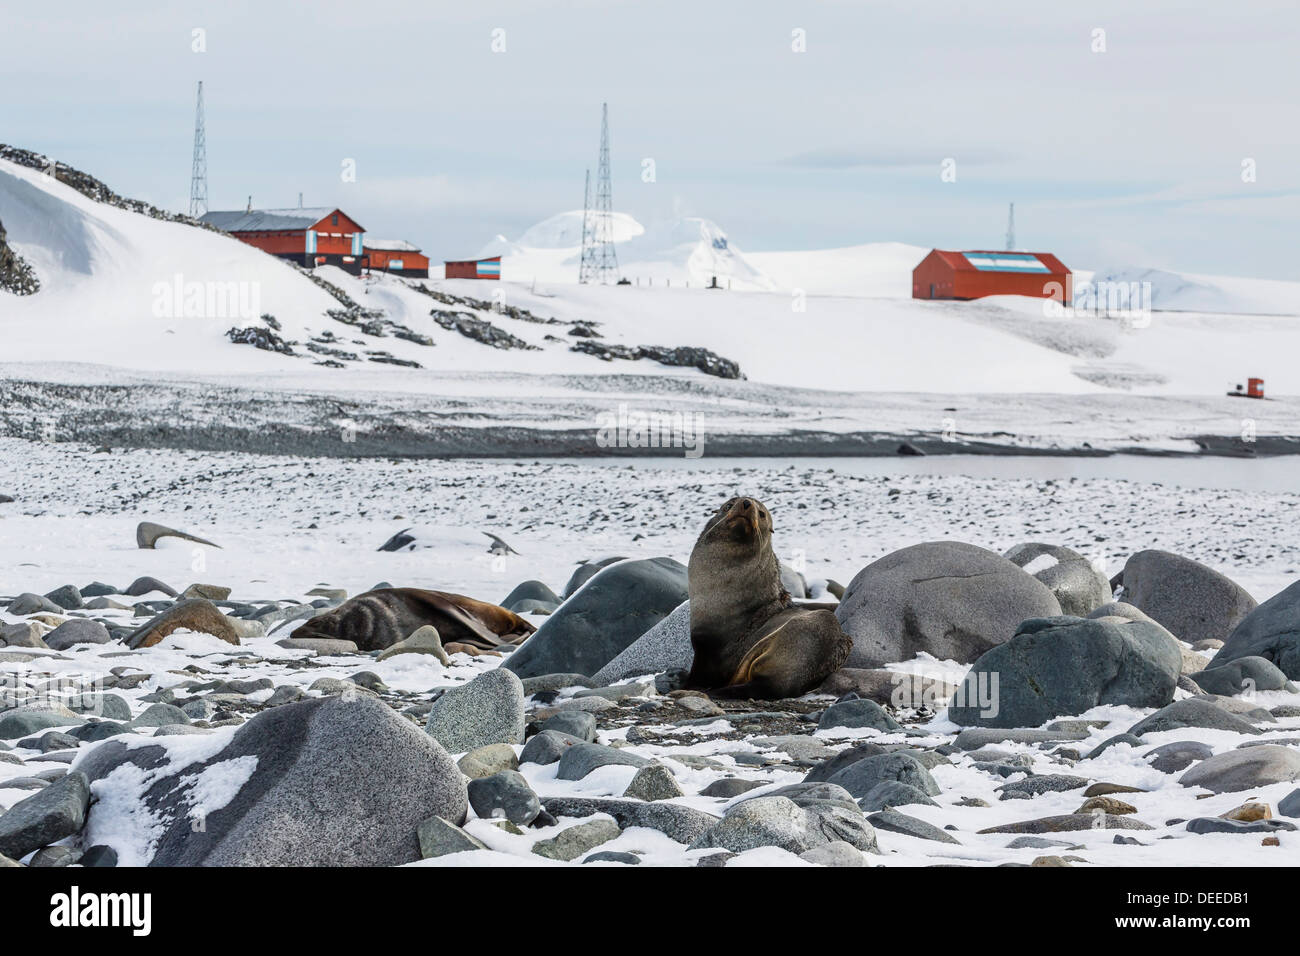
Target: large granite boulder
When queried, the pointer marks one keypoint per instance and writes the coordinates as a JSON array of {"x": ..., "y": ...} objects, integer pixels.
[
  {"x": 1078, "y": 585},
  {"x": 945, "y": 598},
  {"x": 1066, "y": 665},
  {"x": 322, "y": 782},
  {"x": 615, "y": 607},
  {"x": 1194, "y": 602},
  {"x": 666, "y": 646},
  {"x": 1270, "y": 631}
]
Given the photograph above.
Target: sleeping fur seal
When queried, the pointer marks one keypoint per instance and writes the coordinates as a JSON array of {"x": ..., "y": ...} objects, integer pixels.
[
  {"x": 379, "y": 619},
  {"x": 750, "y": 639}
]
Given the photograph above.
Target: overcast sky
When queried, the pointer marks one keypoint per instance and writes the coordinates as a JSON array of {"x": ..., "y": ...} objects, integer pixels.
[{"x": 1128, "y": 157}]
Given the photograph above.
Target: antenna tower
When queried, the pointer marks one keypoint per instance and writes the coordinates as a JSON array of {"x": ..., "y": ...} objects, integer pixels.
[
  {"x": 199, "y": 173},
  {"x": 599, "y": 264},
  {"x": 1011, "y": 229}
]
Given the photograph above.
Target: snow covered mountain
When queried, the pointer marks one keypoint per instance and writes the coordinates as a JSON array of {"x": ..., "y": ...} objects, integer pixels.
[{"x": 684, "y": 252}]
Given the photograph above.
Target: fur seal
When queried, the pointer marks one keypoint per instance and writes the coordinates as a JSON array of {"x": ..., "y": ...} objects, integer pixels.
[
  {"x": 379, "y": 619},
  {"x": 750, "y": 638}
]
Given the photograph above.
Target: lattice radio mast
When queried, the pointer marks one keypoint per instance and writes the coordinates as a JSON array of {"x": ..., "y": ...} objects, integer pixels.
[
  {"x": 1011, "y": 229},
  {"x": 599, "y": 264},
  {"x": 199, "y": 173}
]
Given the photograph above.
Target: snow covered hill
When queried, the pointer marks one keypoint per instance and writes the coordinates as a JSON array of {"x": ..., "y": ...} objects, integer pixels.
[{"x": 127, "y": 292}]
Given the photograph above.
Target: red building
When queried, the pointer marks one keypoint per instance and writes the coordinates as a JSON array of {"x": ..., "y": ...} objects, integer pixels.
[
  {"x": 472, "y": 268},
  {"x": 975, "y": 274},
  {"x": 397, "y": 257},
  {"x": 309, "y": 237}
]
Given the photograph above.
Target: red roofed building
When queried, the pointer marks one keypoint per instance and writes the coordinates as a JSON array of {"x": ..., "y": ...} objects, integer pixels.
[
  {"x": 310, "y": 237},
  {"x": 975, "y": 274},
  {"x": 398, "y": 257}
]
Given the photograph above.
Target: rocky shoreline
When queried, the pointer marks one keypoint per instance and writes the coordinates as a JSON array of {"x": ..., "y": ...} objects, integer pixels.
[
  {"x": 1075, "y": 725},
  {"x": 222, "y": 417}
]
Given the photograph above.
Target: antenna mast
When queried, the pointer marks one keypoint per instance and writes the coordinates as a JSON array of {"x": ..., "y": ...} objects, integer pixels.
[
  {"x": 1011, "y": 229},
  {"x": 199, "y": 172},
  {"x": 599, "y": 263}
]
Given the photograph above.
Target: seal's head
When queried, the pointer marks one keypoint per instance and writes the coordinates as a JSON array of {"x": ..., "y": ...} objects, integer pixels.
[{"x": 744, "y": 524}]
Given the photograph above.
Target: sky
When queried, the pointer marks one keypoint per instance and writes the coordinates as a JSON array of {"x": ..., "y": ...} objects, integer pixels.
[{"x": 1158, "y": 134}]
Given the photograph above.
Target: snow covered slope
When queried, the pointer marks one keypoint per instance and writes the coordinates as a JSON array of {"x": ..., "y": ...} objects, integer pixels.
[{"x": 116, "y": 295}]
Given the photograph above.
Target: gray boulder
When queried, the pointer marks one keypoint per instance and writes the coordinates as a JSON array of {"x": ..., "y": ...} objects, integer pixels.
[
  {"x": 576, "y": 723},
  {"x": 505, "y": 794},
  {"x": 1177, "y": 756},
  {"x": 327, "y": 782},
  {"x": 896, "y": 822},
  {"x": 1246, "y": 769},
  {"x": 487, "y": 710},
  {"x": 891, "y": 793},
  {"x": 861, "y": 776},
  {"x": 1067, "y": 665},
  {"x": 45, "y": 817},
  {"x": 547, "y": 747},
  {"x": 1270, "y": 631},
  {"x": 678, "y": 823},
  {"x": 530, "y": 591},
  {"x": 1242, "y": 674},
  {"x": 856, "y": 714},
  {"x": 1194, "y": 602},
  {"x": 1192, "y": 712},
  {"x": 945, "y": 598},
  {"x": 581, "y": 759},
  {"x": 780, "y": 822},
  {"x": 1079, "y": 587},
  {"x": 614, "y": 608},
  {"x": 666, "y": 646}
]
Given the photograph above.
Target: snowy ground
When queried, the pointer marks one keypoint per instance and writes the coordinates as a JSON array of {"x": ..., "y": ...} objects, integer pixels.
[{"x": 288, "y": 525}]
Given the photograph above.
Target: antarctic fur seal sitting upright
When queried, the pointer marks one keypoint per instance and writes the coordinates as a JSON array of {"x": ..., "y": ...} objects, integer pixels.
[
  {"x": 379, "y": 619},
  {"x": 750, "y": 639}
]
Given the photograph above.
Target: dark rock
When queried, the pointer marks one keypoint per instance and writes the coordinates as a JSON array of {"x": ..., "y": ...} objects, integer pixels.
[
  {"x": 330, "y": 782},
  {"x": 856, "y": 713},
  {"x": 66, "y": 597},
  {"x": 1270, "y": 631},
  {"x": 547, "y": 747},
  {"x": 575, "y": 723},
  {"x": 1192, "y": 712},
  {"x": 678, "y": 823},
  {"x": 506, "y": 794},
  {"x": 1068, "y": 665},
  {"x": 47, "y": 816},
  {"x": 1194, "y": 602},
  {"x": 859, "y": 777},
  {"x": 1177, "y": 756},
  {"x": 910, "y": 826},
  {"x": 1220, "y": 825},
  {"x": 581, "y": 759},
  {"x": 146, "y": 585},
  {"x": 891, "y": 793},
  {"x": 612, "y": 610},
  {"x": 77, "y": 630},
  {"x": 1241, "y": 674}
]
